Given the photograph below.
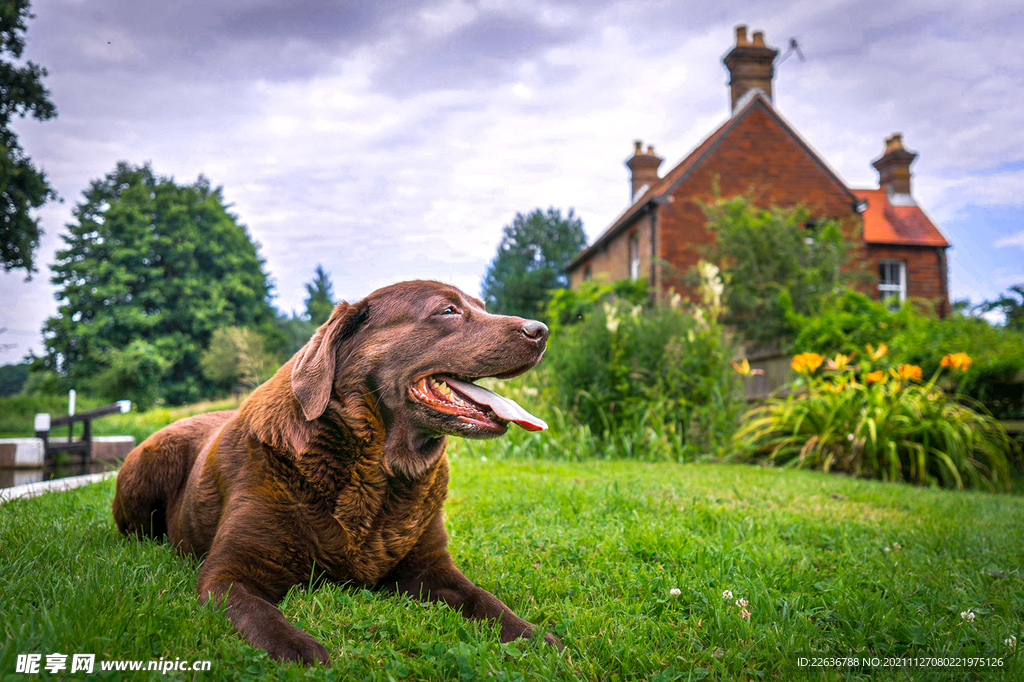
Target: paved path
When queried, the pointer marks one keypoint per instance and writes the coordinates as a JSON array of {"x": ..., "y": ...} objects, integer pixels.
[{"x": 55, "y": 485}]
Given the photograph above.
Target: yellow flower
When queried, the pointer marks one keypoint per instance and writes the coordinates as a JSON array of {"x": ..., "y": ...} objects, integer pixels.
[
  {"x": 806, "y": 363},
  {"x": 876, "y": 376},
  {"x": 836, "y": 388},
  {"x": 840, "y": 361},
  {"x": 876, "y": 353},
  {"x": 958, "y": 361},
  {"x": 744, "y": 368},
  {"x": 910, "y": 372}
]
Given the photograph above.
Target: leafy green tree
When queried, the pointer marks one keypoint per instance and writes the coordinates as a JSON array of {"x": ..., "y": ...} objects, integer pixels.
[
  {"x": 132, "y": 372},
  {"x": 237, "y": 356},
  {"x": 294, "y": 331},
  {"x": 1011, "y": 308},
  {"x": 23, "y": 187},
  {"x": 13, "y": 378},
  {"x": 776, "y": 262},
  {"x": 319, "y": 297},
  {"x": 531, "y": 261},
  {"x": 149, "y": 260}
]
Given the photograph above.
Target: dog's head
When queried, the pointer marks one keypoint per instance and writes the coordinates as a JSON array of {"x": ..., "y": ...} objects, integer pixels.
[{"x": 418, "y": 347}]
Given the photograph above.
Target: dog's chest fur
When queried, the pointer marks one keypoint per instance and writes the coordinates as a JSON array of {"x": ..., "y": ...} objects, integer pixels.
[{"x": 361, "y": 522}]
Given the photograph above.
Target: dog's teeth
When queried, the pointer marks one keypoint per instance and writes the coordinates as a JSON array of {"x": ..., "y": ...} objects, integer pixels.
[{"x": 443, "y": 389}]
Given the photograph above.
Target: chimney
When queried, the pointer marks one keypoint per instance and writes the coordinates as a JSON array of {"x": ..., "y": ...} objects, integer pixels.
[
  {"x": 751, "y": 65},
  {"x": 894, "y": 166},
  {"x": 643, "y": 168}
]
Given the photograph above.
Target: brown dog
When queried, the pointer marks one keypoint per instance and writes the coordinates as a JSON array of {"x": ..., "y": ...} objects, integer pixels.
[{"x": 335, "y": 468}]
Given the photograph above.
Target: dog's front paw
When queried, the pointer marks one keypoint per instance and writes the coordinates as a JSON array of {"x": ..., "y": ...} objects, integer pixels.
[
  {"x": 553, "y": 641},
  {"x": 295, "y": 645}
]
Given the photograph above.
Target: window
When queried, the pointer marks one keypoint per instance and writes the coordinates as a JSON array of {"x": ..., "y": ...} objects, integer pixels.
[
  {"x": 587, "y": 274},
  {"x": 634, "y": 257},
  {"x": 892, "y": 282}
]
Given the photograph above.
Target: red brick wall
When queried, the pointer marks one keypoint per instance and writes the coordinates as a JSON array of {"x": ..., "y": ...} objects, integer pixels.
[
  {"x": 926, "y": 272},
  {"x": 612, "y": 262},
  {"x": 760, "y": 155},
  {"x": 757, "y": 154}
]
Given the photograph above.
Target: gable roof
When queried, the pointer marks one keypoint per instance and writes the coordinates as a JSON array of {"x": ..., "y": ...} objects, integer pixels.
[
  {"x": 659, "y": 191},
  {"x": 902, "y": 223}
]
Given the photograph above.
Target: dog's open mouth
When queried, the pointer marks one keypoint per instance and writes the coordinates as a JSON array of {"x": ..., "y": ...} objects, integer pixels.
[{"x": 473, "y": 404}]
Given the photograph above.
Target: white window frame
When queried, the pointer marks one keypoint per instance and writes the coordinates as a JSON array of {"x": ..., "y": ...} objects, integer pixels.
[
  {"x": 634, "y": 256},
  {"x": 887, "y": 290}
]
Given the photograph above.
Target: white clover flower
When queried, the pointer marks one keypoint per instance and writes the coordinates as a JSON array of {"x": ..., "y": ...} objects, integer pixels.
[
  {"x": 483, "y": 458},
  {"x": 886, "y": 549},
  {"x": 675, "y": 592},
  {"x": 744, "y": 614},
  {"x": 897, "y": 546},
  {"x": 1011, "y": 642},
  {"x": 727, "y": 594},
  {"x": 967, "y": 615},
  {"x": 849, "y": 437},
  {"x": 742, "y": 603}
]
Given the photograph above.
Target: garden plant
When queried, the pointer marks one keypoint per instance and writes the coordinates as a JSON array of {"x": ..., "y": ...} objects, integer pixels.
[{"x": 873, "y": 420}]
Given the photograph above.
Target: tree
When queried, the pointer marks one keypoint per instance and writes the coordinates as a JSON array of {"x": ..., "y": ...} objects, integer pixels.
[
  {"x": 319, "y": 299},
  {"x": 531, "y": 261},
  {"x": 149, "y": 260},
  {"x": 776, "y": 262},
  {"x": 13, "y": 378},
  {"x": 23, "y": 187},
  {"x": 237, "y": 356},
  {"x": 1011, "y": 308}
]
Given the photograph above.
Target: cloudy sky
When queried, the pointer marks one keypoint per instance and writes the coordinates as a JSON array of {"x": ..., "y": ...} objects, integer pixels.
[{"x": 394, "y": 140}]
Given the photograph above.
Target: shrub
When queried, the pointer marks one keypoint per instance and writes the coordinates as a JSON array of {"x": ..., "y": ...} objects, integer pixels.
[
  {"x": 878, "y": 421},
  {"x": 995, "y": 378},
  {"x": 633, "y": 375},
  {"x": 777, "y": 261},
  {"x": 570, "y": 306}
]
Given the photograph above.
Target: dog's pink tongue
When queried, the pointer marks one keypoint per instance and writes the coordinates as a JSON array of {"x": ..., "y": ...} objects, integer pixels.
[{"x": 506, "y": 408}]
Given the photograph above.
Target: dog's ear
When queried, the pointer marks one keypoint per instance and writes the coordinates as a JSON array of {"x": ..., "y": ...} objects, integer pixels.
[{"x": 313, "y": 371}]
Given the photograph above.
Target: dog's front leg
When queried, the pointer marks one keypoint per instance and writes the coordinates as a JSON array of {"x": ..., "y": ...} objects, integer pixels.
[
  {"x": 428, "y": 573},
  {"x": 259, "y": 621}
]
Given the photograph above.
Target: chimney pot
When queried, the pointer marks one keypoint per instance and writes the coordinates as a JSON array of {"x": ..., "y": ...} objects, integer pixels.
[
  {"x": 894, "y": 166},
  {"x": 894, "y": 142},
  {"x": 643, "y": 168},
  {"x": 751, "y": 65}
]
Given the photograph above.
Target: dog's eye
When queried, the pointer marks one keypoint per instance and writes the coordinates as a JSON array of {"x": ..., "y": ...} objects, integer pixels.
[{"x": 450, "y": 310}]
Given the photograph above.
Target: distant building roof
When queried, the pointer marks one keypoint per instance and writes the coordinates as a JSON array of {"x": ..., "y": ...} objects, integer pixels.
[
  {"x": 897, "y": 220},
  {"x": 658, "y": 191}
]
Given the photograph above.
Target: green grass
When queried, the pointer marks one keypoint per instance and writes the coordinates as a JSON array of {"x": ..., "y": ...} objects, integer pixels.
[{"x": 591, "y": 550}]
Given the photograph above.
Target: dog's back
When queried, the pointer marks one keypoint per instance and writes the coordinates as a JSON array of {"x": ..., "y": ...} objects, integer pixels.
[{"x": 156, "y": 471}]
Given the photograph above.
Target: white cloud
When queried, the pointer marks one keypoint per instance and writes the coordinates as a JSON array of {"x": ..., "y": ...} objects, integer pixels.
[
  {"x": 328, "y": 157},
  {"x": 1011, "y": 240}
]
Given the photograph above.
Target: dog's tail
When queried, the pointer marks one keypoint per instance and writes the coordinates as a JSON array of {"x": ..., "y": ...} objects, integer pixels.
[{"x": 155, "y": 473}]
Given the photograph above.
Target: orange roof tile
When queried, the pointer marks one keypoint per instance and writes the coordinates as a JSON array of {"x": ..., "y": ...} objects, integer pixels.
[{"x": 885, "y": 223}]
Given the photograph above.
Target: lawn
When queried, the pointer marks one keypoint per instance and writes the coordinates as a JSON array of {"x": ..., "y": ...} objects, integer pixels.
[{"x": 828, "y": 565}]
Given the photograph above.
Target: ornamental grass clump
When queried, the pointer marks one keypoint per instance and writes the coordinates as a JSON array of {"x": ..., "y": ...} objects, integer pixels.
[{"x": 873, "y": 420}]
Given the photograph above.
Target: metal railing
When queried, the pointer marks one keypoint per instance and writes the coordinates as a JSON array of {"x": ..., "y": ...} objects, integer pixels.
[{"x": 83, "y": 446}]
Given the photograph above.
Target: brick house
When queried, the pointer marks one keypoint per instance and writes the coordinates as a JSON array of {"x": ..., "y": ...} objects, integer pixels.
[{"x": 660, "y": 235}]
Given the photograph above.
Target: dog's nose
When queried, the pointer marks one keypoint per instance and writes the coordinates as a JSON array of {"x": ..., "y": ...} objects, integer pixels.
[{"x": 538, "y": 331}]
